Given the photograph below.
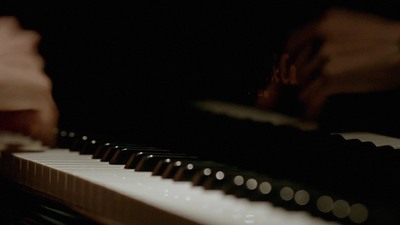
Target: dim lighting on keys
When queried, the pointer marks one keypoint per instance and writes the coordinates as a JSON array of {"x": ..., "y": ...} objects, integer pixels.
[
  {"x": 238, "y": 180},
  {"x": 302, "y": 197},
  {"x": 325, "y": 203},
  {"x": 341, "y": 208},
  {"x": 287, "y": 193},
  {"x": 251, "y": 184},
  {"x": 265, "y": 187},
  {"x": 190, "y": 166},
  {"x": 219, "y": 175},
  {"x": 207, "y": 171},
  {"x": 357, "y": 213}
]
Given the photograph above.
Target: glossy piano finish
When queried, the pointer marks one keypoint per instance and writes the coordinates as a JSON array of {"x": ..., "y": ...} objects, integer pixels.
[
  {"x": 227, "y": 169},
  {"x": 114, "y": 195}
]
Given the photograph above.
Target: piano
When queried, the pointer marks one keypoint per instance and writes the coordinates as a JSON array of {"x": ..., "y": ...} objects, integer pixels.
[{"x": 225, "y": 164}]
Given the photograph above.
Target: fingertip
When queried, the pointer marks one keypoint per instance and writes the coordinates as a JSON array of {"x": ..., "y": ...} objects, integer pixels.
[
  {"x": 9, "y": 20},
  {"x": 293, "y": 79},
  {"x": 313, "y": 107},
  {"x": 268, "y": 97}
]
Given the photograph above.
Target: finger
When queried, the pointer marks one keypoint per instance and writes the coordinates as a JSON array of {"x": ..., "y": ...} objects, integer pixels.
[
  {"x": 302, "y": 55},
  {"x": 23, "y": 41},
  {"x": 31, "y": 123},
  {"x": 309, "y": 71},
  {"x": 293, "y": 79},
  {"x": 283, "y": 68},
  {"x": 46, "y": 124},
  {"x": 9, "y": 24},
  {"x": 18, "y": 61},
  {"x": 23, "y": 91},
  {"x": 275, "y": 75},
  {"x": 268, "y": 97},
  {"x": 313, "y": 96}
]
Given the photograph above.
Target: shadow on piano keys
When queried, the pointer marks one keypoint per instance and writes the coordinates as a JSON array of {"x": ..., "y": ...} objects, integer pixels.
[{"x": 238, "y": 172}]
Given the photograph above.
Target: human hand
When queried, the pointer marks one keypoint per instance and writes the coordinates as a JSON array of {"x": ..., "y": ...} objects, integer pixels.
[
  {"x": 281, "y": 87},
  {"x": 26, "y": 102},
  {"x": 342, "y": 52}
]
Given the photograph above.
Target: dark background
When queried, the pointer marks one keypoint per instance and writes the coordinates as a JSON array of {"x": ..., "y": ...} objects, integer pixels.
[{"x": 121, "y": 67}]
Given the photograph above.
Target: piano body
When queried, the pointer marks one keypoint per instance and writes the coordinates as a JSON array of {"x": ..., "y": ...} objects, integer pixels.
[
  {"x": 226, "y": 164},
  {"x": 248, "y": 167}
]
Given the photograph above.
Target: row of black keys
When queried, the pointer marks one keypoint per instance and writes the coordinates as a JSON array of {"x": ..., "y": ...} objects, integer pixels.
[{"x": 231, "y": 180}]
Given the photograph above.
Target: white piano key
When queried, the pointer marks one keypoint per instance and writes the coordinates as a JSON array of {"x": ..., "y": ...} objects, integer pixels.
[
  {"x": 113, "y": 193},
  {"x": 246, "y": 112},
  {"x": 377, "y": 139}
]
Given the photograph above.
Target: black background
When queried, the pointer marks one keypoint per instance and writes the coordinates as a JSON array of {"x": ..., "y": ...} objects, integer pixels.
[
  {"x": 119, "y": 67},
  {"x": 123, "y": 68}
]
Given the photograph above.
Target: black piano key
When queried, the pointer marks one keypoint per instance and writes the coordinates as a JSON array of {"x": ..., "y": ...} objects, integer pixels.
[
  {"x": 161, "y": 166},
  {"x": 281, "y": 192},
  {"x": 219, "y": 178},
  {"x": 256, "y": 187},
  {"x": 197, "y": 172},
  {"x": 347, "y": 163},
  {"x": 85, "y": 145},
  {"x": 109, "y": 153},
  {"x": 261, "y": 188},
  {"x": 122, "y": 155},
  {"x": 136, "y": 157},
  {"x": 172, "y": 168},
  {"x": 101, "y": 150},
  {"x": 234, "y": 182},
  {"x": 149, "y": 162},
  {"x": 65, "y": 139},
  {"x": 344, "y": 172},
  {"x": 89, "y": 147},
  {"x": 78, "y": 143}
]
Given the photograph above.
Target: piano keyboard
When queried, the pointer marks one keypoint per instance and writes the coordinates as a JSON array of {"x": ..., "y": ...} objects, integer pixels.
[
  {"x": 126, "y": 183},
  {"x": 114, "y": 195}
]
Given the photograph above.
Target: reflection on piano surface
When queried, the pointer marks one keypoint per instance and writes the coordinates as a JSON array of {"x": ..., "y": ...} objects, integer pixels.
[{"x": 238, "y": 166}]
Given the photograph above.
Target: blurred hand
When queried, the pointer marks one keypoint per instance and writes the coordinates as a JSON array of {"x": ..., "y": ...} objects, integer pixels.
[
  {"x": 26, "y": 102},
  {"x": 342, "y": 52}
]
